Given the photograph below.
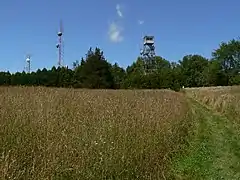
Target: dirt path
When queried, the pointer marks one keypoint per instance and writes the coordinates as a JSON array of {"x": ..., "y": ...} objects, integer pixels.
[{"x": 213, "y": 151}]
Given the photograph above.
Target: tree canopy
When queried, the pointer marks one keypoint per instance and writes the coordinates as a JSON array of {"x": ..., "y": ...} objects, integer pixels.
[{"x": 95, "y": 72}]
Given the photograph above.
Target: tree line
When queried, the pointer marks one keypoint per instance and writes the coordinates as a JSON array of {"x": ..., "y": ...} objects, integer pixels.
[{"x": 95, "y": 72}]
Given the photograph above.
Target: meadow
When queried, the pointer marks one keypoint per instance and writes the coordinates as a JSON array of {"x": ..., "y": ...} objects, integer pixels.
[
  {"x": 57, "y": 133},
  {"x": 54, "y": 133}
]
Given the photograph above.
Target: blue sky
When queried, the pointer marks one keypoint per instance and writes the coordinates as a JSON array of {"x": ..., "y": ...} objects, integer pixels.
[{"x": 180, "y": 28}]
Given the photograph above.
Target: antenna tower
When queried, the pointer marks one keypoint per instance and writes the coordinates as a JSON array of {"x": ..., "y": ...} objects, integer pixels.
[
  {"x": 60, "y": 45},
  {"x": 28, "y": 61},
  {"x": 148, "y": 54}
]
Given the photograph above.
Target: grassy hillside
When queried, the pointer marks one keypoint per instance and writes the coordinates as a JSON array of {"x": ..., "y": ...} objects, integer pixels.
[{"x": 48, "y": 133}]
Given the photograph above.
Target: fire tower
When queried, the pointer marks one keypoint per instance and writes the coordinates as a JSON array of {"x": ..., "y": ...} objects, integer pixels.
[{"x": 148, "y": 54}]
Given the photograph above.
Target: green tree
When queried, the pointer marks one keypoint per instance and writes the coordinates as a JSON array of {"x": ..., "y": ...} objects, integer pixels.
[
  {"x": 228, "y": 56},
  {"x": 213, "y": 74},
  {"x": 95, "y": 72},
  {"x": 5, "y": 78},
  {"x": 192, "y": 67},
  {"x": 119, "y": 75},
  {"x": 135, "y": 75}
]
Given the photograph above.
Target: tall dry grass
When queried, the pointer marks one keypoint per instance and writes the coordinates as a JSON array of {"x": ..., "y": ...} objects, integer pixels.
[
  {"x": 225, "y": 100},
  {"x": 49, "y": 133}
]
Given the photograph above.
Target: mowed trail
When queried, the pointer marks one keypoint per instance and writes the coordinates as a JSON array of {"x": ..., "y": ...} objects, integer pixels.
[{"x": 214, "y": 148}]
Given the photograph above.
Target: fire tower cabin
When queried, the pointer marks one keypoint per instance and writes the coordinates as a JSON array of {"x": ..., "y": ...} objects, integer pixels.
[{"x": 148, "y": 40}]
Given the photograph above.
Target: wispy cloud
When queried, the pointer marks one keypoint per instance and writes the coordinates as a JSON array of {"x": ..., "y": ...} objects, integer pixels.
[
  {"x": 115, "y": 32},
  {"x": 115, "y": 29},
  {"x": 140, "y": 22},
  {"x": 119, "y": 11}
]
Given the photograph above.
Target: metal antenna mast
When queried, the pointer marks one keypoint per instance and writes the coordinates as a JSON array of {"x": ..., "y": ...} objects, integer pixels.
[
  {"x": 28, "y": 60},
  {"x": 148, "y": 54},
  {"x": 60, "y": 45}
]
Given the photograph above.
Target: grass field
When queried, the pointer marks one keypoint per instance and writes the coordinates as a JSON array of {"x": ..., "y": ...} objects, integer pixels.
[
  {"x": 49, "y": 133},
  {"x": 90, "y": 134}
]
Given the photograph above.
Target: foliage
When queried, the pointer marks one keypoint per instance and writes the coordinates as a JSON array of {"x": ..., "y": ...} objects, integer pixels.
[{"x": 96, "y": 72}]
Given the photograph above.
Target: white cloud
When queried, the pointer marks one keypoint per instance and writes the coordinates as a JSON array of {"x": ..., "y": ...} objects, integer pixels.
[
  {"x": 119, "y": 11},
  {"x": 115, "y": 32},
  {"x": 115, "y": 29},
  {"x": 140, "y": 22}
]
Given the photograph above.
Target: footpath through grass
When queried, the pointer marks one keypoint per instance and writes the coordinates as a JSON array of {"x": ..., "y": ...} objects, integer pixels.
[{"x": 213, "y": 151}]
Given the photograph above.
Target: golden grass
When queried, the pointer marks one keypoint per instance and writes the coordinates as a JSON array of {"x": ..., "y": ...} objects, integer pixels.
[
  {"x": 49, "y": 133},
  {"x": 225, "y": 100}
]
